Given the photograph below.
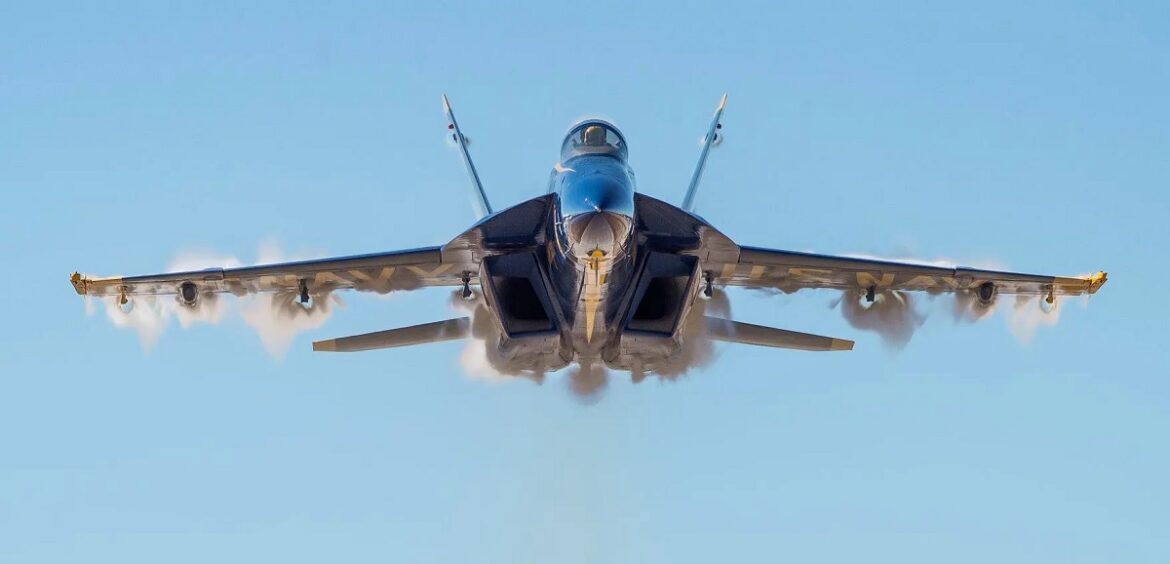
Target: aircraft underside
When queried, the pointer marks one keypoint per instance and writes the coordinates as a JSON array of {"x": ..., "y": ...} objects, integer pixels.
[
  {"x": 591, "y": 273},
  {"x": 625, "y": 314}
]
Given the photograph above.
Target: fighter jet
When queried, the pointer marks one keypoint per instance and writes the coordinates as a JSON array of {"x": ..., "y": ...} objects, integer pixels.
[{"x": 592, "y": 272}]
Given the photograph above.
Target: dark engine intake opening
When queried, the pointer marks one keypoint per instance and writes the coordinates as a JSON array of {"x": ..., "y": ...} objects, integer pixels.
[
  {"x": 660, "y": 306},
  {"x": 518, "y": 299},
  {"x": 660, "y": 298},
  {"x": 514, "y": 287}
]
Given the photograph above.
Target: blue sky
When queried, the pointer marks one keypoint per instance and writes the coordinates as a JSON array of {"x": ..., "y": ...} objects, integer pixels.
[{"x": 1032, "y": 136}]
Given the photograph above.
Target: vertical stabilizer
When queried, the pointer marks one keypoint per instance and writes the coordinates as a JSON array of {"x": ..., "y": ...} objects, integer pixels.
[
  {"x": 713, "y": 137},
  {"x": 479, "y": 197}
]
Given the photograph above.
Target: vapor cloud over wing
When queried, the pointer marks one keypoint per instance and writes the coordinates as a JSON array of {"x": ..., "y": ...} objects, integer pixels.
[
  {"x": 277, "y": 318},
  {"x": 481, "y": 357},
  {"x": 896, "y": 316},
  {"x": 697, "y": 350},
  {"x": 891, "y": 315},
  {"x": 587, "y": 380}
]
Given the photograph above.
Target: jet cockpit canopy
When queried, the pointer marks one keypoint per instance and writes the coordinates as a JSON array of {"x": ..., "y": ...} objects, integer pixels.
[{"x": 593, "y": 137}]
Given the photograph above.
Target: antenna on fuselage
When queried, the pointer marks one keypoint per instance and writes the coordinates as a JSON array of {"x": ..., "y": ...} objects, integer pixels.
[
  {"x": 713, "y": 137},
  {"x": 479, "y": 197}
]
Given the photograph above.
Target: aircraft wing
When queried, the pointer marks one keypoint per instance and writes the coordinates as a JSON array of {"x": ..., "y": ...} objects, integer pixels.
[
  {"x": 453, "y": 264},
  {"x": 790, "y": 271},
  {"x": 377, "y": 272}
]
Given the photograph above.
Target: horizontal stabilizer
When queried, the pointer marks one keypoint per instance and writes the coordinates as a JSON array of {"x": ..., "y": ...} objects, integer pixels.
[
  {"x": 735, "y": 332},
  {"x": 438, "y": 331}
]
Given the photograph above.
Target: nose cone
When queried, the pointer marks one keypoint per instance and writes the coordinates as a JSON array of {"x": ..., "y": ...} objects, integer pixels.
[{"x": 597, "y": 231}]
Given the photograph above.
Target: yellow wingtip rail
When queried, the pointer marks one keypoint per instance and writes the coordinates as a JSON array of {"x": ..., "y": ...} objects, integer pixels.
[
  {"x": 1097, "y": 280},
  {"x": 78, "y": 283}
]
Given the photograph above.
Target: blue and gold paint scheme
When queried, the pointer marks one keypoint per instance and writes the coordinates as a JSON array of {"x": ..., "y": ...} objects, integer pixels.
[{"x": 590, "y": 272}]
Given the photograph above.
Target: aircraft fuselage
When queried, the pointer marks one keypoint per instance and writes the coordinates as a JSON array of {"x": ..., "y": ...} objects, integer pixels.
[{"x": 592, "y": 255}]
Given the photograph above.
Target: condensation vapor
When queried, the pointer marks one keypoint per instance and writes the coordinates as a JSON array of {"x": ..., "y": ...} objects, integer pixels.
[
  {"x": 1028, "y": 314},
  {"x": 145, "y": 316},
  {"x": 891, "y": 315},
  {"x": 149, "y": 316},
  {"x": 697, "y": 349},
  {"x": 586, "y": 380},
  {"x": 277, "y": 318},
  {"x": 895, "y": 316},
  {"x": 966, "y": 307},
  {"x": 209, "y": 308},
  {"x": 481, "y": 357}
]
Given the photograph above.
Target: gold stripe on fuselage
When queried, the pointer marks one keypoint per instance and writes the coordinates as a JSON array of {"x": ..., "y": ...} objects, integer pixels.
[{"x": 594, "y": 279}]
